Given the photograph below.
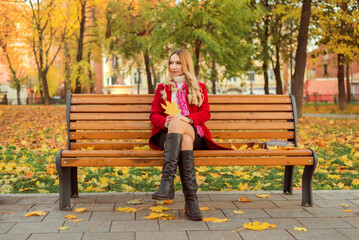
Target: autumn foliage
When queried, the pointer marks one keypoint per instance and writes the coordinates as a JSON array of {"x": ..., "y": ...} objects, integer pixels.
[{"x": 32, "y": 135}]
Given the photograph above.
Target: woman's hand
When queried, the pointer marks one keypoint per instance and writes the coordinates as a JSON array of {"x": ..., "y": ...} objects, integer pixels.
[
  {"x": 168, "y": 120},
  {"x": 181, "y": 117}
]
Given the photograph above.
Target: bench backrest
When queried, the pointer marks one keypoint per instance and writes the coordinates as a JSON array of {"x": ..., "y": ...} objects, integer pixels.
[{"x": 122, "y": 121}]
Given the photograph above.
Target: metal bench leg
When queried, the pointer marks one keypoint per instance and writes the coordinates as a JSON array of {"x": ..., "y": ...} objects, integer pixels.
[
  {"x": 307, "y": 196},
  {"x": 288, "y": 180},
  {"x": 64, "y": 184},
  {"x": 74, "y": 183}
]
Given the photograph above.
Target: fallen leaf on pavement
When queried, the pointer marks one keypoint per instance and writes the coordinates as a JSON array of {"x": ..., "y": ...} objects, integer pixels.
[
  {"x": 300, "y": 229},
  {"x": 135, "y": 202},
  {"x": 127, "y": 209},
  {"x": 35, "y": 213},
  {"x": 258, "y": 226},
  {"x": 64, "y": 228},
  {"x": 80, "y": 210},
  {"x": 159, "y": 209},
  {"x": 215, "y": 220},
  {"x": 238, "y": 212},
  {"x": 263, "y": 195},
  {"x": 70, "y": 216},
  {"x": 244, "y": 199}
]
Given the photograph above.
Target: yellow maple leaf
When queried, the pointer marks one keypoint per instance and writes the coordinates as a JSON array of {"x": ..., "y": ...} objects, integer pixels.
[
  {"x": 258, "y": 226},
  {"x": 80, "y": 210},
  {"x": 263, "y": 195},
  {"x": 238, "y": 212},
  {"x": 171, "y": 108},
  {"x": 70, "y": 216},
  {"x": 64, "y": 228},
  {"x": 159, "y": 209},
  {"x": 300, "y": 229},
  {"x": 127, "y": 209},
  {"x": 215, "y": 220},
  {"x": 244, "y": 199},
  {"x": 35, "y": 213}
]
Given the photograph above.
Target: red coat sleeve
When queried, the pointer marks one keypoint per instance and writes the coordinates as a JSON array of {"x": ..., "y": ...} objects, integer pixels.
[
  {"x": 157, "y": 115},
  {"x": 203, "y": 113}
]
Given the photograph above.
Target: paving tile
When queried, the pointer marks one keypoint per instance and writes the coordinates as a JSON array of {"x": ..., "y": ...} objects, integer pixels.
[
  {"x": 55, "y": 236},
  {"x": 350, "y": 233},
  {"x": 354, "y": 221},
  {"x": 5, "y": 199},
  {"x": 249, "y": 213},
  {"x": 109, "y": 236},
  {"x": 109, "y": 216},
  {"x": 39, "y": 199},
  {"x": 175, "y": 235},
  {"x": 267, "y": 235},
  {"x": 15, "y": 236},
  {"x": 327, "y": 212},
  {"x": 332, "y": 203},
  {"x": 182, "y": 225},
  {"x": 213, "y": 235},
  {"x": 85, "y": 198},
  {"x": 46, "y": 207},
  {"x": 233, "y": 224},
  {"x": 234, "y": 197},
  {"x": 355, "y": 193},
  {"x": 140, "y": 215},
  {"x": 88, "y": 226},
  {"x": 355, "y": 201},
  {"x": 288, "y": 212},
  {"x": 54, "y": 216},
  {"x": 206, "y": 214},
  {"x": 18, "y": 216},
  {"x": 336, "y": 195},
  {"x": 134, "y": 226},
  {"x": 13, "y": 207},
  {"x": 203, "y": 197},
  {"x": 115, "y": 198},
  {"x": 97, "y": 206},
  {"x": 218, "y": 205},
  {"x": 37, "y": 227},
  {"x": 5, "y": 226},
  {"x": 298, "y": 196},
  {"x": 327, "y": 234},
  {"x": 282, "y": 223},
  {"x": 289, "y": 203},
  {"x": 312, "y": 223},
  {"x": 256, "y": 204}
]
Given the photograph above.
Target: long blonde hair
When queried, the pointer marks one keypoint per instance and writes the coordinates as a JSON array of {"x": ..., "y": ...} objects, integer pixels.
[{"x": 194, "y": 94}]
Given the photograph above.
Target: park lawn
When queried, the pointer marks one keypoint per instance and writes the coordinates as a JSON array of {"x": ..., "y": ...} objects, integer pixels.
[
  {"x": 30, "y": 137},
  {"x": 330, "y": 108}
]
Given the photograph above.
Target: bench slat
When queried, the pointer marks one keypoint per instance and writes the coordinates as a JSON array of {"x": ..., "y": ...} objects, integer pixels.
[
  {"x": 214, "y": 108},
  {"x": 220, "y": 161},
  {"x": 202, "y": 153},
  {"x": 214, "y": 116},
  {"x": 213, "y": 125},
  {"x": 214, "y": 134}
]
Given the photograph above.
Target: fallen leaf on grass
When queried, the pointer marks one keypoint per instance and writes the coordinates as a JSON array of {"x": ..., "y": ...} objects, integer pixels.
[
  {"x": 127, "y": 209},
  {"x": 70, "y": 216},
  {"x": 159, "y": 209},
  {"x": 163, "y": 216},
  {"x": 135, "y": 202},
  {"x": 215, "y": 220},
  {"x": 258, "y": 226},
  {"x": 64, "y": 228},
  {"x": 35, "y": 213},
  {"x": 238, "y": 212},
  {"x": 80, "y": 210},
  {"x": 244, "y": 199},
  {"x": 300, "y": 229},
  {"x": 263, "y": 195}
]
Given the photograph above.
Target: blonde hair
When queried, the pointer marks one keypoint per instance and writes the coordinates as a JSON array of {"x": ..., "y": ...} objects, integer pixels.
[{"x": 194, "y": 94}]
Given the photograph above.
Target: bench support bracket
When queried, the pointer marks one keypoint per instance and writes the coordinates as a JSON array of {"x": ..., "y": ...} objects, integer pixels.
[
  {"x": 307, "y": 195},
  {"x": 64, "y": 184},
  {"x": 288, "y": 180}
]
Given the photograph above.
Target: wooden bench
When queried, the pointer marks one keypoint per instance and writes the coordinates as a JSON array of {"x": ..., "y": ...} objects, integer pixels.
[{"x": 114, "y": 124}]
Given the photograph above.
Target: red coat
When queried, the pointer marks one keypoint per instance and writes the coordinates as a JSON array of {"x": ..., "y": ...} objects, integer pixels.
[{"x": 199, "y": 115}]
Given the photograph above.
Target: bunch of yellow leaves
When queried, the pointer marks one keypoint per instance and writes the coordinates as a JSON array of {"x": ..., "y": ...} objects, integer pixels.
[
  {"x": 159, "y": 209},
  {"x": 258, "y": 226},
  {"x": 215, "y": 220},
  {"x": 163, "y": 216},
  {"x": 127, "y": 209}
]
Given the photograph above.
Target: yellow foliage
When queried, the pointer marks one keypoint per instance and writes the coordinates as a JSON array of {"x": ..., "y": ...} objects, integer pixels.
[{"x": 159, "y": 209}]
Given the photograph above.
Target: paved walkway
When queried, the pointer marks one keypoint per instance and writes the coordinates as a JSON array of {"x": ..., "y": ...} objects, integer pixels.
[
  {"x": 324, "y": 220},
  {"x": 355, "y": 116}
]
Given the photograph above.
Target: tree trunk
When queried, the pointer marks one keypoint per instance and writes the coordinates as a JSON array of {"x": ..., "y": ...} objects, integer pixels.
[
  {"x": 18, "y": 89},
  {"x": 266, "y": 81},
  {"x": 45, "y": 86},
  {"x": 301, "y": 56},
  {"x": 349, "y": 92},
  {"x": 155, "y": 77},
  {"x": 214, "y": 77},
  {"x": 197, "y": 51},
  {"x": 278, "y": 79},
  {"x": 148, "y": 73},
  {"x": 80, "y": 46},
  {"x": 67, "y": 70},
  {"x": 341, "y": 82}
]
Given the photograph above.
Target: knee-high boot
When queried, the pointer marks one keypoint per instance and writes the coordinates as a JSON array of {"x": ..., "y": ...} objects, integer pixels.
[
  {"x": 189, "y": 184},
  {"x": 170, "y": 158}
]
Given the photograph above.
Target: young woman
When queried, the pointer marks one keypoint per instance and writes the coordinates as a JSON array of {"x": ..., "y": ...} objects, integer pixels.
[{"x": 179, "y": 135}]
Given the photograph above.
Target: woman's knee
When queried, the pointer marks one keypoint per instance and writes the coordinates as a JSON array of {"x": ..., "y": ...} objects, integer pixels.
[
  {"x": 187, "y": 142},
  {"x": 177, "y": 126}
]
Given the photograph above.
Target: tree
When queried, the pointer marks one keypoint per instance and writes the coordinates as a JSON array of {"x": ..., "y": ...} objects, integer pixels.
[
  {"x": 297, "y": 80},
  {"x": 48, "y": 29},
  {"x": 12, "y": 43},
  {"x": 337, "y": 30}
]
